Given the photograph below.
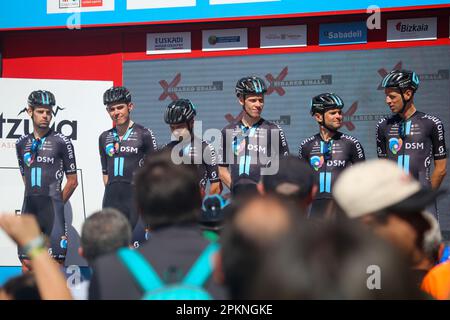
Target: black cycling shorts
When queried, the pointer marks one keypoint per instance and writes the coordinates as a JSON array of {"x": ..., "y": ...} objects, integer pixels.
[{"x": 49, "y": 213}]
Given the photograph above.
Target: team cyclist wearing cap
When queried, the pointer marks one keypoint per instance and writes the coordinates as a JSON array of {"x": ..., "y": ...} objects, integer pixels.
[
  {"x": 44, "y": 157},
  {"x": 328, "y": 152},
  {"x": 123, "y": 149},
  {"x": 411, "y": 138},
  {"x": 247, "y": 142},
  {"x": 179, "y": 115}
]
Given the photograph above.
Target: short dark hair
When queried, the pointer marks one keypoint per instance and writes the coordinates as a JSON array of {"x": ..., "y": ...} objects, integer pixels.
[
  {"x": 23, "y": 287},
  {"x": 104, "y": 232},
  {"x": 167, "y": 193},
  {"x": 243, "y": 250}
]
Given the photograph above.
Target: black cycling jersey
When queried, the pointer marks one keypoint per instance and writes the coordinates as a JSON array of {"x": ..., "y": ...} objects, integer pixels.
[
  {"x": 200, "y": 153},
  {"x": 247, "y": 150},
  {"x": 412, "y": 143},
  {"x": 44, "y": 161},
  {"x": 120, "y": 159},
  {"x": 329, "y": 159}
]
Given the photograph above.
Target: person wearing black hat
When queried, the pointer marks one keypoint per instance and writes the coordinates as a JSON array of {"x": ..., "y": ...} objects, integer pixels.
[
  {"x": 214, "y": 210},
  {"x": 294, "y": 182},
  {"x": 329, "y": 152},
  {"x": 123, "y": 149}
]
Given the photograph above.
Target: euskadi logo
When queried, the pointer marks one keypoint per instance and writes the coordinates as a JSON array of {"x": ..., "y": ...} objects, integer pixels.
[
  {"x": 316, "y": 162},
  {"x": 395, "y": 145},
  {"x": 170, "y": 89}
]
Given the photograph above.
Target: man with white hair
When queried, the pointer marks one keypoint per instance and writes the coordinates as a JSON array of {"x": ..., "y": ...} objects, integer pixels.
[{"x": 390, "y": 202}]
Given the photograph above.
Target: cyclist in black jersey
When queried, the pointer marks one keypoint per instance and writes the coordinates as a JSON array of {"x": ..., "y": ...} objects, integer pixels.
[
  {"x": 123, "y": 149},
  {"x": 250, "y": 146},
  {"x": 44, "y": 157},
  {"x": 328, "y": 152},
  {"x": 410, "y": 137},
  {"x": 188, "y": 148}
]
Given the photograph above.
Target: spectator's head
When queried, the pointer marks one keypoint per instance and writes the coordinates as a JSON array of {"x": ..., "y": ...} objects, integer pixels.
[
  {"x": 104, "y": 232},
  {"x": 214, "y": 209},
  {"x": 167, "y": 193},
  {"x": 433, "y": 244},
  {"x": 23, "y": 287},
  {"x": 388, "y": 200},
  {"x": 251, "y": 230},
  {"x": 294, "y": 182},
  {"x": 335, "y": 261}
]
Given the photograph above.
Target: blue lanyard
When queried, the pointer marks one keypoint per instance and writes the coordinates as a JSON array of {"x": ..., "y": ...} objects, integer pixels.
[{"x": 125, "y": 137}]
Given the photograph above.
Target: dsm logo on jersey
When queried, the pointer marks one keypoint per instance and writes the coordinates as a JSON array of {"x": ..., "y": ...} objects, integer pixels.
[
  {"x": 316, "y": 162},
  {"x": 395, "y": 145}
]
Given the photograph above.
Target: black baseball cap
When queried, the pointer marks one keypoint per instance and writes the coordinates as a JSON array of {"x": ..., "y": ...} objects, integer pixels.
[{"x": 295, "y": 178}]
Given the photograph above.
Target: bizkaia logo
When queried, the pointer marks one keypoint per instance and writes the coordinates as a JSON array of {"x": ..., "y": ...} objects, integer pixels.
[
  {"x": 411, "y": 27},
  {"x": 278, "y": 83},
  {"x": 14, "y": 128},
  {"x": 172, "y": 88},
  {"x": 442, "y": 74}
]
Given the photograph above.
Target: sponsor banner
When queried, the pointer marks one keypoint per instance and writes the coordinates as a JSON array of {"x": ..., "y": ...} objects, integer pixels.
[
  {"x": 343, "y": 33},
  {"x": 411, "y": 29},
  {"x": 155, "y": 4},
  {"x": 174, "y": 42},
  {"x": 65, "y": 6},
  {"x": 77, "y": 104},
  {"x": 225, "y": 39},
  {"x": 283, "y": 36}
]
